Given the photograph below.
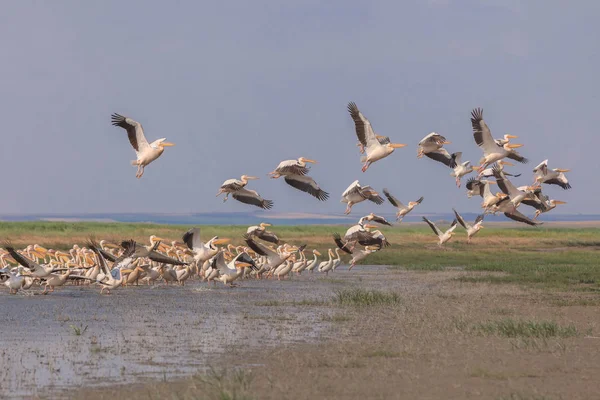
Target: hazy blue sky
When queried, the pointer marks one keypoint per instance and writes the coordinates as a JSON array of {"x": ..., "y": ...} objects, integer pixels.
[{"x": 240, "y": 85}]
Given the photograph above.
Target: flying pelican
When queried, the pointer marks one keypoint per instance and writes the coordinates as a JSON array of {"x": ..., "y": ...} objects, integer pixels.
[
  {"x": 202, "y": 251},
  {"x": 544, "y": 203},
  {"x": 476, "y": 187},
  {"x": 357, "y": 255},
  {"x": 554, "y": 176},
  {"x": 294, "y": 173},
  {"x": 37, "y": 270},
  {"x": 374, "y": 218},
  {"x": 375, "y": 150},
  {"x": 261, "y": 233},
  {"x": 356, "y": 194},
  {"x": 253, "y": 198},
  {"x": 471, "y": 229},
  {"x": 432, "y": 142},
  {"x": 489, "y": 172},
  {"x": 505, "y": 206},
  {"x": 402, "y": 209},
  {"x": 492, "y": 152},
  {"x": 516, "y": 195},
  {"x": 145, "y": 152},
  {"x": 233, "y": 185},
  {"x": 442, "y": 155},
  {"x": 443, "y": 236},
  {"x": 462, "y": 168},
  {"x": 274, "y": 259},
  {"x": 380, "y": 139},
  {"x": 359, "y": 233},
  {"x": 292, "y": 167}
]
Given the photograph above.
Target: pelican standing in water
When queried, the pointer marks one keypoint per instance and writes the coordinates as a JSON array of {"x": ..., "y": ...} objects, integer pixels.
[
  {"x": 145, "y": 152},
  {"x": 471, "y": 229},
  {"x": 374, "y": 149},
  {"x": 442, "y": 236},
  {"x": 356, "y": 194},
  {"x": 492, "y": 152},
  {"x": 233, "y": 185},
  {"x": 402, "y": 209}
]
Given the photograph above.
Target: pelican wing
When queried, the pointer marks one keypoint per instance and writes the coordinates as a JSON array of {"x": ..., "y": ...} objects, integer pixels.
[
  {"x": 419, "y": 200},
  {"x": 557, "y": 181},
  {"x": 452, "y": 226},
  {"x": 110, "y": 257},
  {"x": 291, "y": 167},
  {"x": 364, "y": 130},
  {"x": 394, "y": 201},
  {"x": 232, "y": 185},
  {"x": 542, "y": 167},
  {"x": 433, "y": 138},
  {"x": 481, "y": 132},
  {"x": 258, "y": 248},
  {"x": 308, "y": 185},
  {"x": 380, "y": 220},
  {"x": 353, "y": 188},
  {"x": 433, "y": 227},
  {"x": 514, "y": 155},
  {"x": 518, "y": 216},
  {"x": 504, "y": 184},
  {"x": 251, "y": 197},
  {"x": 192, "y": 239},
  {"x": 367, "y": 193},
  {"x": 479, "y": 218},
  {"x": 134, "y": 129},
  {"x": 267, "y": 236},
  {"x": 343, "y": 246},
  {"x": 460, "y": 220},
  {"x": 21, "y": 259},
  {"x": 244, "y": 257},
  {"x": 442, "y": 156}
]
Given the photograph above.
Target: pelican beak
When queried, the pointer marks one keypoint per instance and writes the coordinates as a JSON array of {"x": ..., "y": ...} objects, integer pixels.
[
  {"x": 167, "y": 144},
  {"x": 251, "y": 178},
  {"x": 562, "y": 170},
  {"x": 310, "y": 161},
  {"x": 370, "y": 226},
  {"x": 157, "y": 239},
  {"x": 221, "y": 241},
  {"x": 378, "y": 137},
  {"x": 446, "y": 142},
  {"x": 507, "y": 163},
  {"x": 559, "y": 202},
  {"x": 492, "y": 183},
  {"x": 397, "y": 145},
  {"x": 266, "y": 224},
  {"x": 317, "y": 253},
  {"x": 126, "y": 271},
  {"x": 139, "y": 269},
  {"x": 514, "y": 145},
  {"x": 243, "y": 264},
  {"x": 40, "y": 249},
  {"x": 511, "y": 136}
]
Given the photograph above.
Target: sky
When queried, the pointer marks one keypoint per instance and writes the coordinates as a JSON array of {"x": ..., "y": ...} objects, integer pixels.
[{"x": 239, "y": 86}]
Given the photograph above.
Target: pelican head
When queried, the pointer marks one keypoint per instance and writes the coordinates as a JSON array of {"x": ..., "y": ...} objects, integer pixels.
[
  {"x": 316, "y": 252},
  {"x": 263, "y": 224},
  {"x": 306, "y": 160},
  {"x": 154, "y": 239}
]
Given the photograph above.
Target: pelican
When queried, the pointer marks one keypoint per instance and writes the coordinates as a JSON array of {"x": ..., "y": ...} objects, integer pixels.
[
  {"x": 380, "y": 139},
  {"x": 112, "y": 279},
  {"x": 402, "y": 209},
  {"x": 142, "y": 251},
  {"x": 229, "y": 272},
  {"x": 516, "y": 195},
  {"x": 471, "y": 229},
  {"x": 492, "y": 152},
  {"x": 202, "y": 251},
  {"x": 325, "y": 266},
  {"x": 292, "y": 167},
  {"x": 461, "y": 169},
  {"x": 261, "y": 233},
  {"x": 357, "y": 255},
  {"x": 375, "y": 150},
  {"x": 274, "y": 259},
  {"x": 442, "y": 155},
  {"x": 145, "y": 152},
  {"x": 359, "y": 233},
  {"x": 253, "y": 198},
  {"x": 37, "y": 270},
  {"x": 432, "y": 142},
  {"x": 543, "y": 203},
  {"x": 374, "y": 218},
  {"x": 15, "y": 280},
  {"x": 443, "y": 236},
  {"x": 356, "y": 194},
  {"x": 311, "y": 265},
  {"x": 554, "y": 176},
  {"x": 489, "y": 172},
  {"x": 233, "y": 185},
  {"x": 338, "y": 260},
  {"x": 505, "y": 206},
  {"x": 476, "y": 187}
]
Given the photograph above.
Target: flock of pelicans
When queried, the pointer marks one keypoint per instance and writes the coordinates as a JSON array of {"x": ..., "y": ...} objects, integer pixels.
[{"x": 112, "y": 266}]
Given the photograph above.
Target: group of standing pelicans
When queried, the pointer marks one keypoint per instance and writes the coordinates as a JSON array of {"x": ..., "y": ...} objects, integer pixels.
[{"x": 112, "y": 266}]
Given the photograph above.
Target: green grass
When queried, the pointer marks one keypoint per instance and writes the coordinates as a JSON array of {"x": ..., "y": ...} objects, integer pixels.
[
  {"x": 365, "y": 298},
  {"x": 511, "y": 328}
]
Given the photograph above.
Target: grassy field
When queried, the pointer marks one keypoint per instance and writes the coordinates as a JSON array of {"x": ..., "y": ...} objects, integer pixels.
[{"x": 543, "y": 257}]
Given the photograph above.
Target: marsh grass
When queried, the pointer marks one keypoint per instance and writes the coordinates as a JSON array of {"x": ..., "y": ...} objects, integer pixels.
[
  {"x": 365, "y": 298},
  {"x": 512, "y": 328},
  {"x": 225, "y": 385}
]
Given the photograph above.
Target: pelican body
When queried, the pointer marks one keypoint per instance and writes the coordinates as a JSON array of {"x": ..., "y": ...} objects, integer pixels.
[{"x": 356, "y": 194}]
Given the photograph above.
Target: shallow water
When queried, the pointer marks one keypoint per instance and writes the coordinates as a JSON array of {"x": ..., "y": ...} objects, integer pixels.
[{"x": 156, "y": 332}]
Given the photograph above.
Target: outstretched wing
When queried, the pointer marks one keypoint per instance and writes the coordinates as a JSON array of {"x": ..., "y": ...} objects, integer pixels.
[
  {"x": 460, "y": 219},
  {"x": 134, "y": 129},
  {"x": 251, "y": 197},
  {"x": 307, "y": 185},
  {"x": 394, "y": 201},
  {"x": 433, "y": 227},
  {"x": 481, "y": 132},
  {"x": 363, "y": 128},
  {"x": 343, "y": 246}
]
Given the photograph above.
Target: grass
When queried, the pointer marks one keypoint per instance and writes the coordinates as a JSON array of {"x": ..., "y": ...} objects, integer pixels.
[
  {"x": 365, "y": 298},
  {"x": 225, "y": 385},
  {"x": 511, "y": 328},
  {"x": 78, "y": 330}
]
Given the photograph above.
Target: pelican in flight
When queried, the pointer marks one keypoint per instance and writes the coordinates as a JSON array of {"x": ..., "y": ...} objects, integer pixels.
[
  {"x": 471, "y": 229},
  {"x": 357, "y": 254},
  {"x": 517, "y": 195},
  {"x": 360, "y": 234},
  {"x": 253, "y": 198},
  {"x": 442, "y": 236},
  {"x": 489, "y": 172},
  {"x": 462, "y": 168},
  {"x": 402, "y": 209},
  {"x": 492, "y": 152},
  {"x": 374, "y": 149},
  {"x": 202, "y": 251},
  {"x": 233, "y": 185},
  {"x": 543, "y": 203},
  {"x": 294, "y": 173},
  {"x": 373, "y": 218},
  {"x": 145, "y": 152},
  {"x": 505, "y": 206},
  {"x": 432, "y": 142},
  {"x": 274, "y": 259},
  {"x": 292, "y": 167},
  {"x": 261, "y": 232},
  {"x": 111, "y": 279},
  {"x": 554, "y": 176},
  {"x": 356, "y": 194}
]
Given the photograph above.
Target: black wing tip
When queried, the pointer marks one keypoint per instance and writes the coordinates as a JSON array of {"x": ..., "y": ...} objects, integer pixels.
[
  {"x": 420, "y": 200},
  {"x": 322, "y": 195},
  {"x": 477, "y": 114},
  {"x": 267, "y": 204}
]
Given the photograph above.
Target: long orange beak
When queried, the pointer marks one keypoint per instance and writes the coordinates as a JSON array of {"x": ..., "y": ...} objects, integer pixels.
[
  {"x": 559, "y": 202},
  {"x": 310, "y": 161},
  {"x": 511, "y": 136},
  {"x": 514, "y": 145},
  {"x": 397, "y": 145},
  {"x": 167, "y": 144},
  {"x": 562, "y": 170}
]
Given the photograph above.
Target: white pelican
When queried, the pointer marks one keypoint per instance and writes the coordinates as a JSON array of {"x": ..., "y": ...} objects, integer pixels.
[
  {"x": 442, "y": 236},
  {"x": 544, "y": 203},
  {"x": 462, "y": 168},
  {"x": 516, "y": 195},
  {"x": 357, "y": 255},
  {"x": 506, "y": 207},
  {"x": 301, "y": 264},
  {"x": 292, "y": 167},
  {"x": 253, "y": 198},
  {"x": 476, "y": 187},
  {"x": 432, "y": 142},
  {"x": 202, "y": 251},
  {"x": 233, "y": 185},
  {"x": 145, "y": 152},
  {"x": 492, "y": 152},
  {"x": 274, "y": 259},
  {"x": 338, "y": 260},
  {"x": 311, "y": 265},
  {"x": 112, "y": 279},
  {"x": 471, "y": 229},
  {"x": 15, "y": 280},
  {"x": 375, "y": 150},
  {"x": 37, "y": 270},
  {"x": 356, "y": 193},
  {"x": 554, "y": 176},
  {"x": 294, "y": 173},
  {"x": 402, "y": 209},
  {"x": 325, "y": 266},
  {"x": 489, "y": 172},
  {"x": 229, "y": 272},
  {"x": 261, "y": 233},
  {"x": 373, "y": 218}
]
